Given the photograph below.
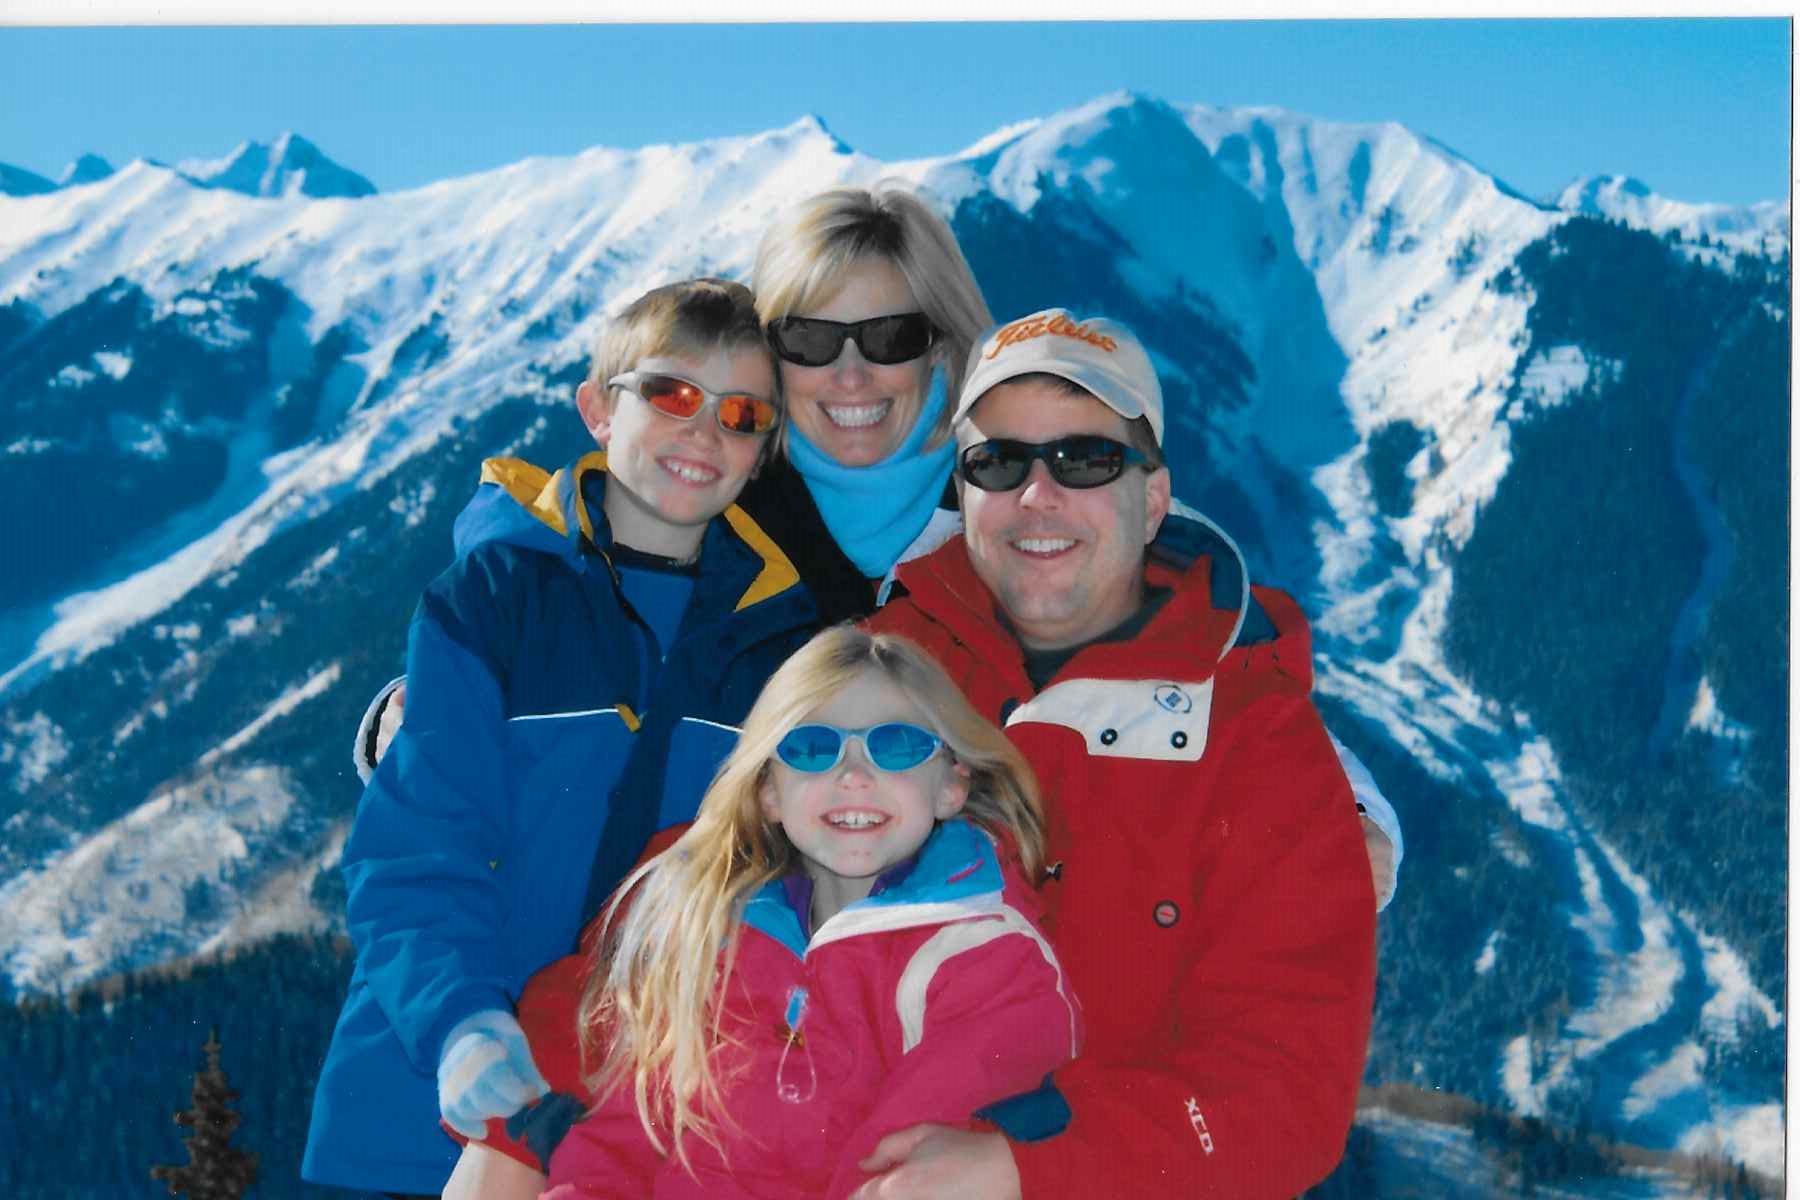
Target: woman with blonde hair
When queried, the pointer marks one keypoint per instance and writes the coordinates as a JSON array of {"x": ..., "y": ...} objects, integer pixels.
[
  {"x": 838, "y": 946},
  {"x": 872, "y": 311}
]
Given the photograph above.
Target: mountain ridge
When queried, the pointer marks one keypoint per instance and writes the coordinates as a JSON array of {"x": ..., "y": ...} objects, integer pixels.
[{"x": 287, "y": 166}]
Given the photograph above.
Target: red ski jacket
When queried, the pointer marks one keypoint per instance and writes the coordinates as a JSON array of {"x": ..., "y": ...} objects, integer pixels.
[{"x": 1209, "y": 897}]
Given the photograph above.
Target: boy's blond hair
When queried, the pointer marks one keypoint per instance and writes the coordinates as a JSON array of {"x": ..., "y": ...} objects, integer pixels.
[
  {"x": 690, "y": 318},
  {"x": 803, "y": 256}
]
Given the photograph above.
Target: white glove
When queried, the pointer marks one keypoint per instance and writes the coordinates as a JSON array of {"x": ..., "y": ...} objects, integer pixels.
[
  {"x": 486, "y": 1071},
  {"x": 380, "y": 722},
  {"x": 1380, "y": 825}
]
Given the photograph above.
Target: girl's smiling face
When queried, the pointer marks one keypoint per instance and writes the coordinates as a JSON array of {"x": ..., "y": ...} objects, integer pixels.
[
  {"x": 858, "y": 412},
  {"x": 854, "y": 821}
]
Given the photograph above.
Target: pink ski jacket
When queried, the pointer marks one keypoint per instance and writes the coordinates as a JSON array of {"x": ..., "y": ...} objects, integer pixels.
[{"x": 922, "y": 1003}]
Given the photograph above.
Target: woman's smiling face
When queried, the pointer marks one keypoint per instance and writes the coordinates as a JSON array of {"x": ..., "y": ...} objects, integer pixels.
[{"x": 854, "y": 411}]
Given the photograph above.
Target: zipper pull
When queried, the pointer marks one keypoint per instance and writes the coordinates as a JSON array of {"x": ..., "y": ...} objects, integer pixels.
[{"x": 795, "y": 1090}]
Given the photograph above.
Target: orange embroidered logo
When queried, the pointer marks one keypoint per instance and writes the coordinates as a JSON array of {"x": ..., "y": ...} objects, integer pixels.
[{"x": 1036, "y": 327}]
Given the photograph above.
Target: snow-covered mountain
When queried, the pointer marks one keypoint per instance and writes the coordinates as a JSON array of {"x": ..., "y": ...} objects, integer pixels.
[
  {"x": 1623, "y": 198},
  {"x": 272, "y": 404},
  {"x": 287, "y": 166},
  {"x": 16, "y": 181},
  {"x": 89, "y": 168}
]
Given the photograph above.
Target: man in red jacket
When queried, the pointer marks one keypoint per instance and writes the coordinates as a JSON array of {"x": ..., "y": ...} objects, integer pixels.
[{"x": 1210, "y": 895}]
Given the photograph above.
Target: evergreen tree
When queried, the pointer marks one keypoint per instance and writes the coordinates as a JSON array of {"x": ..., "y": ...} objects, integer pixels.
[{"x": 216, "y": 1169}]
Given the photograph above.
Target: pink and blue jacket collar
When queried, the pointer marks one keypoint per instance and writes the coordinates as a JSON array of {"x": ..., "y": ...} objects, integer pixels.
[{"x": 955, "y": 875}]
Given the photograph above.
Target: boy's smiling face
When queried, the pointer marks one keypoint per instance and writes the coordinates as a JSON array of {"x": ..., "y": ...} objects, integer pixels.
[{"x": 670, "y": 477}]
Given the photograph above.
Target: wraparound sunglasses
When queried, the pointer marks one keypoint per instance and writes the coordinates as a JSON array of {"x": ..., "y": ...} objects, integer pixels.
[
  {"x": 885, "y": 341},
  {"x": 891, "y": 746},
  {"x": 682, "y": 399},
  {"x": 1085, "y": 460}
]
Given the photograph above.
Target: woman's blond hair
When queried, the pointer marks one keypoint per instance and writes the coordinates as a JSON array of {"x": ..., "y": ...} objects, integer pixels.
[
  {"x": 802, "y": 258},
  {"x": 651, "y": 1010}
]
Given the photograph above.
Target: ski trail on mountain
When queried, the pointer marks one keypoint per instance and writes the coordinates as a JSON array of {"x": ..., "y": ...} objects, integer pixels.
[
  {"x": 1681, "y": 678},
  {"x": 1631, "y": 1049},
  {"x": 1628, "y": 1051},
  {"x": 1672, "y": 974}
]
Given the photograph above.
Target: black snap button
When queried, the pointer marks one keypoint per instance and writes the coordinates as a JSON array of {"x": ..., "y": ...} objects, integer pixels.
[
  {"x": 1166, "y": 913},
  {"x": 1178, "y": 739},
  {"x": 1108, "y": 736}
]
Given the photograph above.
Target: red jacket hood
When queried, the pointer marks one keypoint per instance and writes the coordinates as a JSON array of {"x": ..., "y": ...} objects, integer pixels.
[{"x": 1211, "y": 616}]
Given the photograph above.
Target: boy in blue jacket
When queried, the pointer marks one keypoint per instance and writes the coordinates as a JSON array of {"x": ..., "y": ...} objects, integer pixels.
[{"x": 577, "y": 673}]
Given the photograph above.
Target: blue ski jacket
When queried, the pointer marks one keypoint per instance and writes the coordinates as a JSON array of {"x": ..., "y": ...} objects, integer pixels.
[{"x": 547, "y": 736}]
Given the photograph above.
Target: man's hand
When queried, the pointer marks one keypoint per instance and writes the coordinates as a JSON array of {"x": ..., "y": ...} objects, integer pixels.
[
  {"x": 1381, "y": 861},
  {"x": 940, "y": 1163},
  {"x": 392, "y": 714}
]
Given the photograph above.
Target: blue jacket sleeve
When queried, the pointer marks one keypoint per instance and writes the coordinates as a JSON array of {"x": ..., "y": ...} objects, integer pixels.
[{"x": 423, "y": 904}]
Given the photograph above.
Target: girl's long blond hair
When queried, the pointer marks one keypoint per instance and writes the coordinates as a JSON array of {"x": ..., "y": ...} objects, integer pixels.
[{"x": 651, "y": 1010}]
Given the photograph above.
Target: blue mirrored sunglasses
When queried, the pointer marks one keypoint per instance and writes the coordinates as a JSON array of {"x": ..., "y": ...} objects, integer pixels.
[{"x": 889, "y": 746}]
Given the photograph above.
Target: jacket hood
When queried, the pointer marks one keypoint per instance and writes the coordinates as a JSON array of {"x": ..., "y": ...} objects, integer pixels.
[
  {"x": 521, "y": 504},
  {"x": 1186, "y": 537},
  {"x": 1190, "y": 554}
]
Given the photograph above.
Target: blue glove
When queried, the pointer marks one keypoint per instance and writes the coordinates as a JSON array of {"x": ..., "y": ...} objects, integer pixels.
[
  {"x": 486, "y": 1071},
  {"x": 1030, "y": 1116}
]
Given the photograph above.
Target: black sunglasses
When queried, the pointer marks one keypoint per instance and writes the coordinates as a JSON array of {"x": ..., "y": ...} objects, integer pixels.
[
  {"x": 885, "y": 341},
  {"x": 1083, "y": 460}
]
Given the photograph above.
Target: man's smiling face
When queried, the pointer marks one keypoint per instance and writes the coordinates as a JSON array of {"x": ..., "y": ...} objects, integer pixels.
[{"x": 1066, "y": 564}]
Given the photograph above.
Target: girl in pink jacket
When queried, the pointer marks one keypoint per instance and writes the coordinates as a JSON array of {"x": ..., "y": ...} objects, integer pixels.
[{"x": 838, "y": 948}]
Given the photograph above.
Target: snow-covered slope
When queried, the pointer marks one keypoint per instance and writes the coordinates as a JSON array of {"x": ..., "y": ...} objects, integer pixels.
[
  {"x": 1622, "y": 198},
  {"x": 1304, "y": 286}
]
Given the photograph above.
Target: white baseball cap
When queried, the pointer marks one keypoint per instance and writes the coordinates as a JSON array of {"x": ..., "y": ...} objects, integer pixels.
[{"x": 1095, "y": 353}]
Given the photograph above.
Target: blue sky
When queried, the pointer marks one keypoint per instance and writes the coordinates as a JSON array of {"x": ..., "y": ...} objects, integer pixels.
[{"x": 1698, "y": 109}]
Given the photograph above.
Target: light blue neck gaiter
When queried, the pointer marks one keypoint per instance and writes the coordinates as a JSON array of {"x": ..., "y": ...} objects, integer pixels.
[{"x": 875, "y": 512}]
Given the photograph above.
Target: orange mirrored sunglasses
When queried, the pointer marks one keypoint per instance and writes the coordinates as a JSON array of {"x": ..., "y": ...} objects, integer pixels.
[{"x": 682, "y": 399}]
